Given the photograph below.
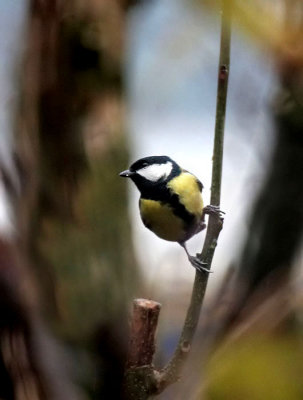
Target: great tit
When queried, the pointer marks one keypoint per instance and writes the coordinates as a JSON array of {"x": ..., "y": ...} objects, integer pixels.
[{"x": 171, "y": 203}]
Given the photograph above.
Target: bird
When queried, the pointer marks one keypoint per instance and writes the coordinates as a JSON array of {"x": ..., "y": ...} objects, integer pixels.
[{"x": 170, "y": 203}]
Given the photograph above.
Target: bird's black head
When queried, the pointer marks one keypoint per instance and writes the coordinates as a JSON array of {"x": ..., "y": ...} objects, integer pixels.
[{"x": 150, "y": 172}]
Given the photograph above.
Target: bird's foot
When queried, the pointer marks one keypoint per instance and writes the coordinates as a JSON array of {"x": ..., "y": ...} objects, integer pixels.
[
  {"x": 213, "y": 210},
  {"x": 198, "y": 264}
]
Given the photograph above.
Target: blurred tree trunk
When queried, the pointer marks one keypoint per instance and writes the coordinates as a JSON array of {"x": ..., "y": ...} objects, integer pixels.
[{"x": 72, "y": 218}]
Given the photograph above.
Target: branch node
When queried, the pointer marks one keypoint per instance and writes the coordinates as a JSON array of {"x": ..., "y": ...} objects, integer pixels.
[
  {"x": 223, "y": 73},
  {"x": 141, "y": 382},
  {"x": 185, "y": 346}
]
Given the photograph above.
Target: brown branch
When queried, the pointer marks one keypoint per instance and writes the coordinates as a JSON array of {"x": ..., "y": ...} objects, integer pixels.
[
  {"x": 140, "y": 377},
  {"x": 143, "y": 328}
]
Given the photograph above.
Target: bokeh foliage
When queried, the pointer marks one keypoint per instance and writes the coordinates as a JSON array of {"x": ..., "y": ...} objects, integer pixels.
[{"x": 258, "y": 367}]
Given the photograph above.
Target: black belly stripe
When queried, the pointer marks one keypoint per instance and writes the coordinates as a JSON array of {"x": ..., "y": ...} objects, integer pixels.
[
  {"x": 164, "y": 195},
  {"x": 180, "y": 211}
]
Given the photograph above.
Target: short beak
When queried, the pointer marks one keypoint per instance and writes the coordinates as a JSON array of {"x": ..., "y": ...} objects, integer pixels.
[{"x": 126, "y": 174}]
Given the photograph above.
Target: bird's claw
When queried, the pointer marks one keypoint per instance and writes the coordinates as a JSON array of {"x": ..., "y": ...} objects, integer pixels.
[
  {"x": 213, "y": 210},
  {"x": 198, "y": 264}
]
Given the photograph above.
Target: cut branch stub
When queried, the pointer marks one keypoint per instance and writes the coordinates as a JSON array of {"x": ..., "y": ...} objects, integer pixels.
[
  {"x": 142, "y": 335},
  {"x": 141, "y": 378}
]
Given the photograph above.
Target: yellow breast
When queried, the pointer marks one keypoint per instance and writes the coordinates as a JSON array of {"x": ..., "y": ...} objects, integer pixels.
[
  {"x": 186, "y": 187},
  {"x": 161, "y": 220}
]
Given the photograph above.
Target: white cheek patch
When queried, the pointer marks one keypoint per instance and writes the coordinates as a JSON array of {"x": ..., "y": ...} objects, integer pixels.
[{"x": 156, "y": 171}]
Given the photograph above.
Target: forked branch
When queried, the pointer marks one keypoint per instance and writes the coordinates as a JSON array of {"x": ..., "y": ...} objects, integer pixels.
[{"x": 146, "y": 378}]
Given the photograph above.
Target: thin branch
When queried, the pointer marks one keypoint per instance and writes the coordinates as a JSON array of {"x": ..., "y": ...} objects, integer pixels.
[{"x": 172, "y": 371}]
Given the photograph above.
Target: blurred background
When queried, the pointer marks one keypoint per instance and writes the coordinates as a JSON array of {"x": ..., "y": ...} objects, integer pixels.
[{"x": 88, "y": 87}]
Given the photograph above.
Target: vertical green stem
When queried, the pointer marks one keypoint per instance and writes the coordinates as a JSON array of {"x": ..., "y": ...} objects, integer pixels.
[
  {"x": 172, "y": 371},
  {"x": 223, "y": 74}
]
